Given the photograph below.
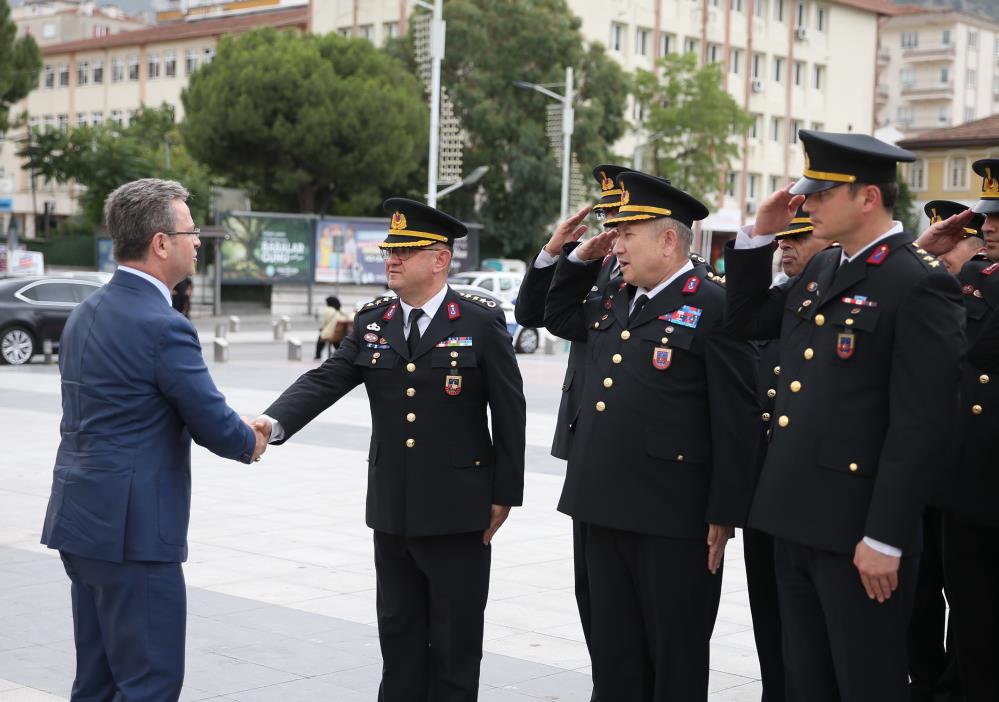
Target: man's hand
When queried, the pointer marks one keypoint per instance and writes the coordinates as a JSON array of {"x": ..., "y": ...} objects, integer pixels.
[
  {"x": 878, "y": 572},
  {"x": 718, "y": 536},
  {"x": 260, "y": 436},
  {"x": 264, "y": 426},
  {"x": 569, "y": 230},
  {"x": 598, "y": 246},
  {"x": 777, "y": 211},
  {"x": 941, "y": 237},
  {"x": 497, "y": 515}
]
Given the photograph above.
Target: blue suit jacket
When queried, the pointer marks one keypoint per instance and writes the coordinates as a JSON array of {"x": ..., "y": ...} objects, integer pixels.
[{"x": 135, "y": 390}]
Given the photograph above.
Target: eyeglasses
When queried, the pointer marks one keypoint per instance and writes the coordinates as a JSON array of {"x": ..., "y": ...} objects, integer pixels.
[
  {"x": 194, "y": 232},
  {"x": 404, "y": 253}
]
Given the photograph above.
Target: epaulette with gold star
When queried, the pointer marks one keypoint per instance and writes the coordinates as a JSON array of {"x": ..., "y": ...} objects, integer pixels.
[
  {"x": 719, "y": 279},
  {"x": 378, "y": 302},
  {"x": 484, "y": 301},
  {"x": 928, "y": 259}
]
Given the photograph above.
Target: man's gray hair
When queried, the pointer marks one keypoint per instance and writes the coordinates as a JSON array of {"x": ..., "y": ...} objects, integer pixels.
[
  {"x": 685, "y": 237},
  {"x": 135, "y": 211}
]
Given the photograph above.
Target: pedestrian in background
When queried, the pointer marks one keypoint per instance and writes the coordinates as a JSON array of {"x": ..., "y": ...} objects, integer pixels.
[{"x": 329, "y": 319}]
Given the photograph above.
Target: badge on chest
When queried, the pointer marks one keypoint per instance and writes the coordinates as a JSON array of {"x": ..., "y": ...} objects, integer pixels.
[
  {"x": 846, "y": 344},
  {"x": 662, "y": 357},
  {"x": 452, "y": 385}
]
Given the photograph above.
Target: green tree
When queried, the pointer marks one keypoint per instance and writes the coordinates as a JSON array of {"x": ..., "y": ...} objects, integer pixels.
[
  {"x": 904, "y": 210},
  {"x": 306, "y": 123},
  {"x": 490, "y": 44},
  {"x": 691, "y": 120},
  {"x": 20, "y": 62}
]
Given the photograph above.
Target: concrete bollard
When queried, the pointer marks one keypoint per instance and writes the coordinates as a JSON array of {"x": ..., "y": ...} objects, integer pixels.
[
  {"x": 294, "y": 349},
  {"x": 234, "y": 323},
  {"x": 286, "y": 323},
  {"x": 47, "y": 350},
  {"x": 221, "y": 330},
  {"x": 221, "y": 350},
  {"x": 277, "y": 329}
]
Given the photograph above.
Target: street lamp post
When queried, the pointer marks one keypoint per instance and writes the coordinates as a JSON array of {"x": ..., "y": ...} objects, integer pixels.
[
  {"x": 474, "y": 177},
  {"x": 437, "y": 30},
  {"x": 568, "y": 124}
]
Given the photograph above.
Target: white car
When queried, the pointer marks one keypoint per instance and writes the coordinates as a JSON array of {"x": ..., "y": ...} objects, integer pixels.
[{"x": 502, "y": 284}]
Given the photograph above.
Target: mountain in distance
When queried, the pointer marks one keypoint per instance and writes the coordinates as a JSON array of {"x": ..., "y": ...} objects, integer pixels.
[{"x": 983, "y": 8}]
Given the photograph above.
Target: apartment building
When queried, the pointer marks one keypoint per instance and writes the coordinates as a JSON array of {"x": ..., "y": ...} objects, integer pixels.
[
  {"x": 936, "y": 69},
  {"x": 790, "y": 63},
  {"x": 942, "y": 170},
  {"x": 107, "y": 79},
  {"x": 56, "y": 21},
  {"x": 190, "y": 10}
]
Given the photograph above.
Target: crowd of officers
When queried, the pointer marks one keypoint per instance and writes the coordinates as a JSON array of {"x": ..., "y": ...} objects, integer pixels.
[{"x": 830, "y": 395}]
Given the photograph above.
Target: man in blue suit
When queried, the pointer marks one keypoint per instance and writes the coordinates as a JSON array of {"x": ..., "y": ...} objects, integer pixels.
[{"x": 135, "y": 391}]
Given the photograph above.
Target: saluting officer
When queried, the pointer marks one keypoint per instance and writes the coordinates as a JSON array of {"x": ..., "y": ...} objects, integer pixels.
[
  {"x": 870, "y": 346},
  {"x": 971, "y": 495},
  {"x": 530, "y": 312},
  {"x": 439, "y": 482},
  {"x": 661, "y": 460},
  {"x": 968, "y": 244}
]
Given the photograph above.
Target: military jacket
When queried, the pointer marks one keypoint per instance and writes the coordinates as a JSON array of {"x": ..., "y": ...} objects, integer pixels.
[
  {"x": 869, "y": 369},
  {"x": 667, "y": 431},
  {"x": 434, "y": 467}
]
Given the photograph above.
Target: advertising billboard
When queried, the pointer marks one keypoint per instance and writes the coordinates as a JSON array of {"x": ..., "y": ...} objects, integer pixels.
[{"x": 267, "y": 249}]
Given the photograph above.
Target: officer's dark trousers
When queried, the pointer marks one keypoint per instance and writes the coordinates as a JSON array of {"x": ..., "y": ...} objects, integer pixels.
[
  {"x": 932, "y": 666},
  {"x": 840, "y": 645},
  {"x": 129, "y": 623},
  {"x": 582, "y": 583},
  {"x": 431, "y": 601},
  {"x": 971, "y": 565},
  {"x": 653, "y": 607},
  {"x": 761, "y": 579}
]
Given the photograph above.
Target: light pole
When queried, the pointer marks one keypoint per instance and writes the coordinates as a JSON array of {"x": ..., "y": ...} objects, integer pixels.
[
  {"x": 643, "y": 141},
  {"x": 568, "y": 123},
  {"x": 474, "y": 177},
  {"x": 437, "y": 30}
]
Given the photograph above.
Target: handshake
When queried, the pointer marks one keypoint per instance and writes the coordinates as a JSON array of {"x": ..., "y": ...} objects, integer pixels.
[{"x": 262, "y": 431}]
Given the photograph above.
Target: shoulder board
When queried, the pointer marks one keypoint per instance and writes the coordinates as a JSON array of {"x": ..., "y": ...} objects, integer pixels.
[
  {"x": 488, "y": 304},
  {"x": 928, "y": 260},
  {"x": 377, "y": 302},
  {"x": 718, "y": 279}
]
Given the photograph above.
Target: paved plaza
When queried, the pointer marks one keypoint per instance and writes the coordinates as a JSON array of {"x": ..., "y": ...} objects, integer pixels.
[{"x": 281, "y": 584}]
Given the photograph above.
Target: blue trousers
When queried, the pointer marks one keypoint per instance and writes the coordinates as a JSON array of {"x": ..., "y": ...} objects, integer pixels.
[{"x": 129, "y": 624}]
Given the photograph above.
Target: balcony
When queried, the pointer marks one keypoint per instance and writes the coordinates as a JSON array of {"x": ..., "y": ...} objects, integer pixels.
[
  {"x": 927, "y": 54},
  {"x": 928, "y": 91},
  {"x": 884, "y": 56},
  {"x": 883, "y": 93}
]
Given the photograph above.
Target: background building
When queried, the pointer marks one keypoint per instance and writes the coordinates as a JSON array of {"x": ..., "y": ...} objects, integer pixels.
[
  {"x": 937, "y": 69},
  {"x": 55, "y": 21}
]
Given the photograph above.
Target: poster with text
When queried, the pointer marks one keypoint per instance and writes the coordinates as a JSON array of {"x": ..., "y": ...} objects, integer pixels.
[{"x": 267, "y": 249}]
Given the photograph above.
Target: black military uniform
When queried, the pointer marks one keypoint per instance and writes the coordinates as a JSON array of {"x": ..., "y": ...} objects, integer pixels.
[
  {"x": 869, "y": 358},
  {"x": 971, "y": 524},
  {"x": 434, "y": 468},
  {"x": 663, "y": 445}
]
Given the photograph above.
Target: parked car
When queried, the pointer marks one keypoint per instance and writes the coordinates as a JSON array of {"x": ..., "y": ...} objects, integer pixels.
[
  {"x": 35, "y": 309},
  {"x": 502, "y": 284}
]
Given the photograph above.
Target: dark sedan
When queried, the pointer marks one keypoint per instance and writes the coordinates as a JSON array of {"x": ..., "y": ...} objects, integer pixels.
[{"x": 34, "y": 309}]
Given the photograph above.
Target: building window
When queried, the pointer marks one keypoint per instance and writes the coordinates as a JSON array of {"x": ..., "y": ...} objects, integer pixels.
[
  {"x": 907, "y": 77},
  {"x": 690, "y": 45},
  {"x": 969, "y": 114},
  {"x": 777, "y": 129},
  {"x": 972, "y": 39},
  {"x": 755, "y": 126},
  {"x": 48, "y": 30},
  {"x": 667, "y": 43},
  {"x": 714, "y": 53},
  {"x": 97, "y": 118},
  {"x": 617, "y": 37},
  {"x": 796, "y": 124},
  {"x": 915, "y": 175},
  {"x": 760, "y": 8},
  {"x": 943, "y": 114},
  {"x": 49, "y": 77},
  {"x": 820, "y": 19},
  {"x": 34, "y": 122},
  {"x": 82, "y": 73},
  {"x": 64, "y": 76},
  {"x": 170, "y": 64},
  {"x": 153, "y": 63},
  {"x": 818, "y": 126},
  {"x": 133, "y": 68},
  {"x": 776, "y": 183},
  {"x": 642, "y": 41},
  {"x": 945, "y": 75},
  {"x": 735, "y": 61},
  {"x": 209, "y": 54},
  {"x": 731, "y": 178},
  {"x": 390, "y": 30},
  {"x": 736, "y": 5},
  {"x": 779, "y": 10},
  {"x": 904, "y": 115},
  {"x": 971, "y": 78},
  {"x": 945, "y": 38},
  {"x": 801, "y": 19},
  {"x": 758, "y": 63},
  {"x": 49, "y": 121},
  {"x": 800, "y": 73},
  {"x": 190, "y": 61},
  {"x": 779, "y": 69},
  {"x": 116, "y": 117},
  {"x": 820, "y": 77},
  {"x": 638, "y": 112},
  {"x": 117, "y": 70},
  {"x": 345, "y": 32},
  {"x": 81, "y": 119},
  {"x": 910, "y": 40},
  {"x": 752, "y": 185},
  {"x": 366, "y": 31},
  {"x": 957, "y": 178},
  {"x": 98, "y": 71}
]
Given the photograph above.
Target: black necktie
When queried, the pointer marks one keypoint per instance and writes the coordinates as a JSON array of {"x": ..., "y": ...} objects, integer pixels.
[
  {"x": 414, "y": 330},
  {"x": 636, "y": 310}
]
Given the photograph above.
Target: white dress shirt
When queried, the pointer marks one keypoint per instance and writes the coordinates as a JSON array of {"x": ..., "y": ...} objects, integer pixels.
[
  {"x": 688, "y": 266},
  {"x": 160, "y": 285},
  {"x": 429, "y": 308},
  {"x": 545, "y": 259},
  {"x": 745, "y": 240}
]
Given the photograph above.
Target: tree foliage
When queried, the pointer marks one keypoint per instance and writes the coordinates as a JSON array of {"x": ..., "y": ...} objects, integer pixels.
[
  {"x": 306, "y": 123},
  {"x": 905, "y": 210},
  {"x": 690, "y": 121},
  {"x": 490, "y": 44},
  {"x": 100, "y": 158},
  {"x": 20, "y": 62}
]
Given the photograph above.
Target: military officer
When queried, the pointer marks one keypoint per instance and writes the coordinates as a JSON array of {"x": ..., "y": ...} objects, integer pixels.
[
  {"x": 971, "y": 495},
  {"x": 870, "y": 346},
  {"x": 660, "y": 464},
  {"x": 439, "y": 482},
  {"x": 969, "y": 245}
]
